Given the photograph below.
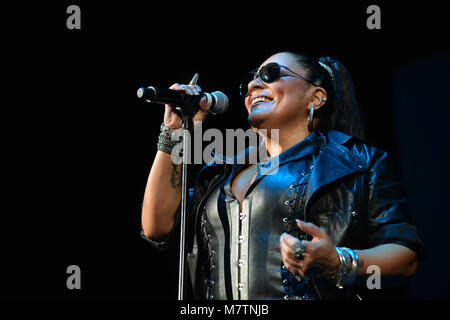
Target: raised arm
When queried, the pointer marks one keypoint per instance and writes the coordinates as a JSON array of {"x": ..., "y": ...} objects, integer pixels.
[{"x": 162, "y": 195}]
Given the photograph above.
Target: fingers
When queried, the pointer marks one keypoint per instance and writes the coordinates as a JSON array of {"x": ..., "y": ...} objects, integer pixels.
[
  {"x": 316, "y": 260},
  {"x": 204, "y": 106},
  {"x": 303, "y": 266},
  {"x": 191, "y": 89},
  {"x": 311, "y": 229},
  {"x": 188, "y": 89},
  {"x": 286, "y": 241},
  {"x": 292, "y": 264},
  {"x": 286, "y": 244}
]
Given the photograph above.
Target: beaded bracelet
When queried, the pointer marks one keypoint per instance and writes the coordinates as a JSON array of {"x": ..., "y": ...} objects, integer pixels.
[{"x": 165, "y": 139}]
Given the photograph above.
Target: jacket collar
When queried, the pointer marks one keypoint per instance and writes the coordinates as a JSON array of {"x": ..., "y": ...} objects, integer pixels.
[
  {"x": 297, "y": 151},
  {"x": 334, "y": 161},
  {"x": 335, "y": 137},
  {"x": 313, "y": 143}
]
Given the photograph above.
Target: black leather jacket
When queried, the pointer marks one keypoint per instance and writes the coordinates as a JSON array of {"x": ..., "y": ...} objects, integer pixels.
[{"x": 351, "y": 193}]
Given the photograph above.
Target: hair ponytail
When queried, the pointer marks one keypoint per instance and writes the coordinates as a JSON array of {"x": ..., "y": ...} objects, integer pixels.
[{"x": 341, "y": 111}]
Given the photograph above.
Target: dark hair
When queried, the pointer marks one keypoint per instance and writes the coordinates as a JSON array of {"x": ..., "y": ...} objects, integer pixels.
[{"x": 341, "y": 111}]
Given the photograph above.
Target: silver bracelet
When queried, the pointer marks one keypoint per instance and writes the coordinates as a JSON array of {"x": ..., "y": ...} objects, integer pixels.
[
  {"x": 343, "y": 266},
  {"x": 166, "y": 139},
  {"x": 351, "y": 275},
  {"x": 348, "y": 268}
]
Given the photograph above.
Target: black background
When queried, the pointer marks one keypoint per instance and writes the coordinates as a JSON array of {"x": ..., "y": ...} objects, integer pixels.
[{"x": 78, "y": 144}]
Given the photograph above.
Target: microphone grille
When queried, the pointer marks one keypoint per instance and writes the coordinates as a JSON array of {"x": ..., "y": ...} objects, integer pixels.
[{"x": 221, "y": 103}]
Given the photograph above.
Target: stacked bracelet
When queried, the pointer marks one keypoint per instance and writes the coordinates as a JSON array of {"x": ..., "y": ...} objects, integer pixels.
[
  {"x": 348, "y": 269},
  {"x": 167, "y": 140}
]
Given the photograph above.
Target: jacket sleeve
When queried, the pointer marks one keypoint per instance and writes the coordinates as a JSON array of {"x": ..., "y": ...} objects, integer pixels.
[{"x": 388, "y": 218}]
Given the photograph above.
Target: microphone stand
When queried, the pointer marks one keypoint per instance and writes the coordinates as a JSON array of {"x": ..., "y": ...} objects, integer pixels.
[
  {"x": 187, "y": 130},
  {"x": 187, "y": 117},
  {"x": 186, "y": 109}
]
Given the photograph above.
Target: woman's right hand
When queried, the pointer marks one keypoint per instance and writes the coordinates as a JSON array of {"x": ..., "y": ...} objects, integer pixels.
[{"x": 171, "y": 118}]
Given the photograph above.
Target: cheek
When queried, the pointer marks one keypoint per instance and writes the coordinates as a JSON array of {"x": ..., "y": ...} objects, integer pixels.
[
  {"x": 290, "y": 96},
  {"x": 247, "y": 104},
  {"x": 279, "y": 89}
]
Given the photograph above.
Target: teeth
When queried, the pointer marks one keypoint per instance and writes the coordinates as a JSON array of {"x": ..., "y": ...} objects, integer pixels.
[{"x": 260, "y": 99}]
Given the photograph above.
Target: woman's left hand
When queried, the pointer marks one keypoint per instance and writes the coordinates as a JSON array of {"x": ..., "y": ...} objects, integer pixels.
[{"x": 320, "y": 259}]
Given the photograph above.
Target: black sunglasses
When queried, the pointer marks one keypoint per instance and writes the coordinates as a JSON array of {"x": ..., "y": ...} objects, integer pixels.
[{"x": 269, "y": 73}]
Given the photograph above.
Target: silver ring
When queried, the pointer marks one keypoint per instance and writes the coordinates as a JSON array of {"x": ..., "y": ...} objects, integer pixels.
[{"x": 298, "y": 249}]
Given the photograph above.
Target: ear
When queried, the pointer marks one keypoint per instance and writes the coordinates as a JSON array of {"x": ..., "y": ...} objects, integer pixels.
[{"x": 318, "y": 98}]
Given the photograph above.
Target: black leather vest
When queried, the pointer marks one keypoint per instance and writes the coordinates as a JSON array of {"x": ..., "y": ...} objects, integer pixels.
[{"x": 244, "y": 257}]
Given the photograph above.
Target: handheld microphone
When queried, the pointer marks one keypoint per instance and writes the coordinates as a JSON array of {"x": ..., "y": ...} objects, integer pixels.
[{"x": 217, "y": 101}]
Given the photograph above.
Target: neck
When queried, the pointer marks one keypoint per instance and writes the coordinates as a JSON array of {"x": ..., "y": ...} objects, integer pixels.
[{"x": 286, "y": 138}]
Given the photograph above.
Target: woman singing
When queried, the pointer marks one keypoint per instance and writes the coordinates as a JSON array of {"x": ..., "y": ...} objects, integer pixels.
[{"x": 311, "y": 230}]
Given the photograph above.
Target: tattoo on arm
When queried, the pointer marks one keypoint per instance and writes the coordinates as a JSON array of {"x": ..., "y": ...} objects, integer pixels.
[
  {"x": 175, "y": 178},
  {"x": 360, "y": 263}
]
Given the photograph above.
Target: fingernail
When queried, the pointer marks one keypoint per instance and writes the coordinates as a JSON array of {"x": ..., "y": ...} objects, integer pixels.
[{"x": 298, "y": 221}]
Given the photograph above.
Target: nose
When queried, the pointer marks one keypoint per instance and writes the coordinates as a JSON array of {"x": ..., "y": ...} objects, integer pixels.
[{"x": 255, "y": 84}]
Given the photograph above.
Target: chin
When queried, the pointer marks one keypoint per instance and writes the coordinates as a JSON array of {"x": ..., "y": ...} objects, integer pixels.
[
  {"x": 255, "y": 119},
  {"x": 260, "y": 117},
  {"x": 259, "y": 121}
]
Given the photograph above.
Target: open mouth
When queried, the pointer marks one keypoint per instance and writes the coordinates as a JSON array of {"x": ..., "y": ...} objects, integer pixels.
[{"x": 259, "y": 100}]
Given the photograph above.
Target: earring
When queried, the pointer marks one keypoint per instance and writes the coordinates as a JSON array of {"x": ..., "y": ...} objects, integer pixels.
[
  {"x": 310, "y": 118},
  {"x": 324, "y": 99}
]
